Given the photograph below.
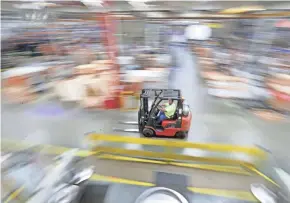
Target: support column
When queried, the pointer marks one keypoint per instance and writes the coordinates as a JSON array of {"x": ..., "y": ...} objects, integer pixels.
[{"x": 110, "y": 43}]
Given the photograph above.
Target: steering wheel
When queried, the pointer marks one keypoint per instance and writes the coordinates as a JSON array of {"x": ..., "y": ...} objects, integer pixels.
[{"x": 157, "y": 109}]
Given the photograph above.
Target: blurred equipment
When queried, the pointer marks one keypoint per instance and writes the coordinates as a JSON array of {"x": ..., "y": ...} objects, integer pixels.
[
  {"x": 263, "y": 194},
  {"x": 60, "y": 181},
  {"x": 161, "y": 194}
]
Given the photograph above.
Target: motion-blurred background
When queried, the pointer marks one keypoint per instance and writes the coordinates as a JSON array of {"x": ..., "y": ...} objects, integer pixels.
[
  {"x": 74, "y": 67},
  {"x": 46, "y": 44},
  {"x": 71, "y": 60},
  {"x": 59, "y": 56}
]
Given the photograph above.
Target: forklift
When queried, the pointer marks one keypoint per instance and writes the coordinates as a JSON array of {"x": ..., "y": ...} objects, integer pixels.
[{"x": 177, "y": 126}]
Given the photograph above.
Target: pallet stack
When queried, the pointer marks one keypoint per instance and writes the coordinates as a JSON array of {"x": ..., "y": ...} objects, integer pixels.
[
  {"x": 16, "y": 90},
  {"x": 93, "y": 85},
  {"x": 24, "y": 84}
]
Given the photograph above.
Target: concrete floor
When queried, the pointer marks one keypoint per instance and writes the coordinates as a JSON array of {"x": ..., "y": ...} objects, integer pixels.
[{"x": 214, "y": 121}]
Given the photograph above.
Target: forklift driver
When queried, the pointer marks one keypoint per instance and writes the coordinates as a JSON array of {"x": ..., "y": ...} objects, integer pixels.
[{"x": 167, "y": 110}]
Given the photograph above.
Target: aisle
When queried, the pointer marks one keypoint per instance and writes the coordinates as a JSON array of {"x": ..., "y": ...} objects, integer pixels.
[
  {"x": 185, "y": 78},
  {"x": 216, "y": 121},
  {"x": 213, "y": 122}
]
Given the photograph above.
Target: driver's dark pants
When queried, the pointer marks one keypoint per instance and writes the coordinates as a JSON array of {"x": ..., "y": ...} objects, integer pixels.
[{"x": 161, "y": 117}]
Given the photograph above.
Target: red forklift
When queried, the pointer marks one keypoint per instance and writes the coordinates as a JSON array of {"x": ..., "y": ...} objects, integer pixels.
[{"x": 176, "y": 126}]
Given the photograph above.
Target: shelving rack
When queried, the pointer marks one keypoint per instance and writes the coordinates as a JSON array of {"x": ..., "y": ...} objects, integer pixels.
[{"x": 249, "y": 53}]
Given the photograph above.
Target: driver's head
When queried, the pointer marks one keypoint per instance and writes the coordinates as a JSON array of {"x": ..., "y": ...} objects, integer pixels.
[{"x": 170, "y": 101}]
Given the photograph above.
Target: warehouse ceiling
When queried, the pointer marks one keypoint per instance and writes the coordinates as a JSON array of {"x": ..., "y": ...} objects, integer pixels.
[{"x": 145, "y": 8}]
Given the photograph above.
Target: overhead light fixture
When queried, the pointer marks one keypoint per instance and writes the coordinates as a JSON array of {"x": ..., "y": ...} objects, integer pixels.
[
  {"x": 45, "y": 4},
  {"x": 34, "y": 5},
  {"x": 198, "y": 32},
  {"x": 93, "y": 3},
  {"x": 27, "y": 6},
  {"x": 139, "y": 4}
]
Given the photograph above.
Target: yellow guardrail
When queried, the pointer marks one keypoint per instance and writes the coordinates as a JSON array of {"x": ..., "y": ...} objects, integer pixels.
[
  {"x": 168, "y": 156},
  {"x": 182, "y": 160},
  {"x": 177, "y": 144},
  {"x": 218, "y": 164}
]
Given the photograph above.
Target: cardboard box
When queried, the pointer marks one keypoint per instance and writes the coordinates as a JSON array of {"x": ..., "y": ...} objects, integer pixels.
[
  {"x": 268, "y": 115},
  {"x": 93, "y": 102},
  {"x": 102, "y": 62},
  {"x": 85, "y": 69},
  {"x": 18, "y": 94},
  {"x": 72, "y": 89},
  {"x": 281, "y": 79}
]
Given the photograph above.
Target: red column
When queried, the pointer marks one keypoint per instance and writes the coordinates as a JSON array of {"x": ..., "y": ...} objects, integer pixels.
[{"x": 110, "y": 43}]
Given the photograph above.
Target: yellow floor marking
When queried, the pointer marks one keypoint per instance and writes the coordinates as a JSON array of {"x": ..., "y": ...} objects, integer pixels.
[
  {"x": 219, "y": 168},
  {"x": 96, "y": 177},
  {"x": 242, "y": 195},
  {"x": 262, "y": 175},
  {"x": 167, "y": 156},
  {"x": 123, "y": 158},
  {"x": 14, "y": 194}
]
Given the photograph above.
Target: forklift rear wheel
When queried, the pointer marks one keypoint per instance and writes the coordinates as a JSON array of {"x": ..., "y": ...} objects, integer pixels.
[
  {"x": 180, "y": 135},
  {"x": 147, "y": 132}
]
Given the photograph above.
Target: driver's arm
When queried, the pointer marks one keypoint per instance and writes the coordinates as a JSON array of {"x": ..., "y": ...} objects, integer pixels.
[
  {"x": 161, "y": 108},
  {"x": 165, "y": 104}
]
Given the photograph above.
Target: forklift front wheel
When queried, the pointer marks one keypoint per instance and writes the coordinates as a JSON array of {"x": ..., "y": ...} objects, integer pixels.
[
  {"x": 147, "y": 132},
  {"x": 180, "y": 135},
  {"x": 141, "y": 125}
]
